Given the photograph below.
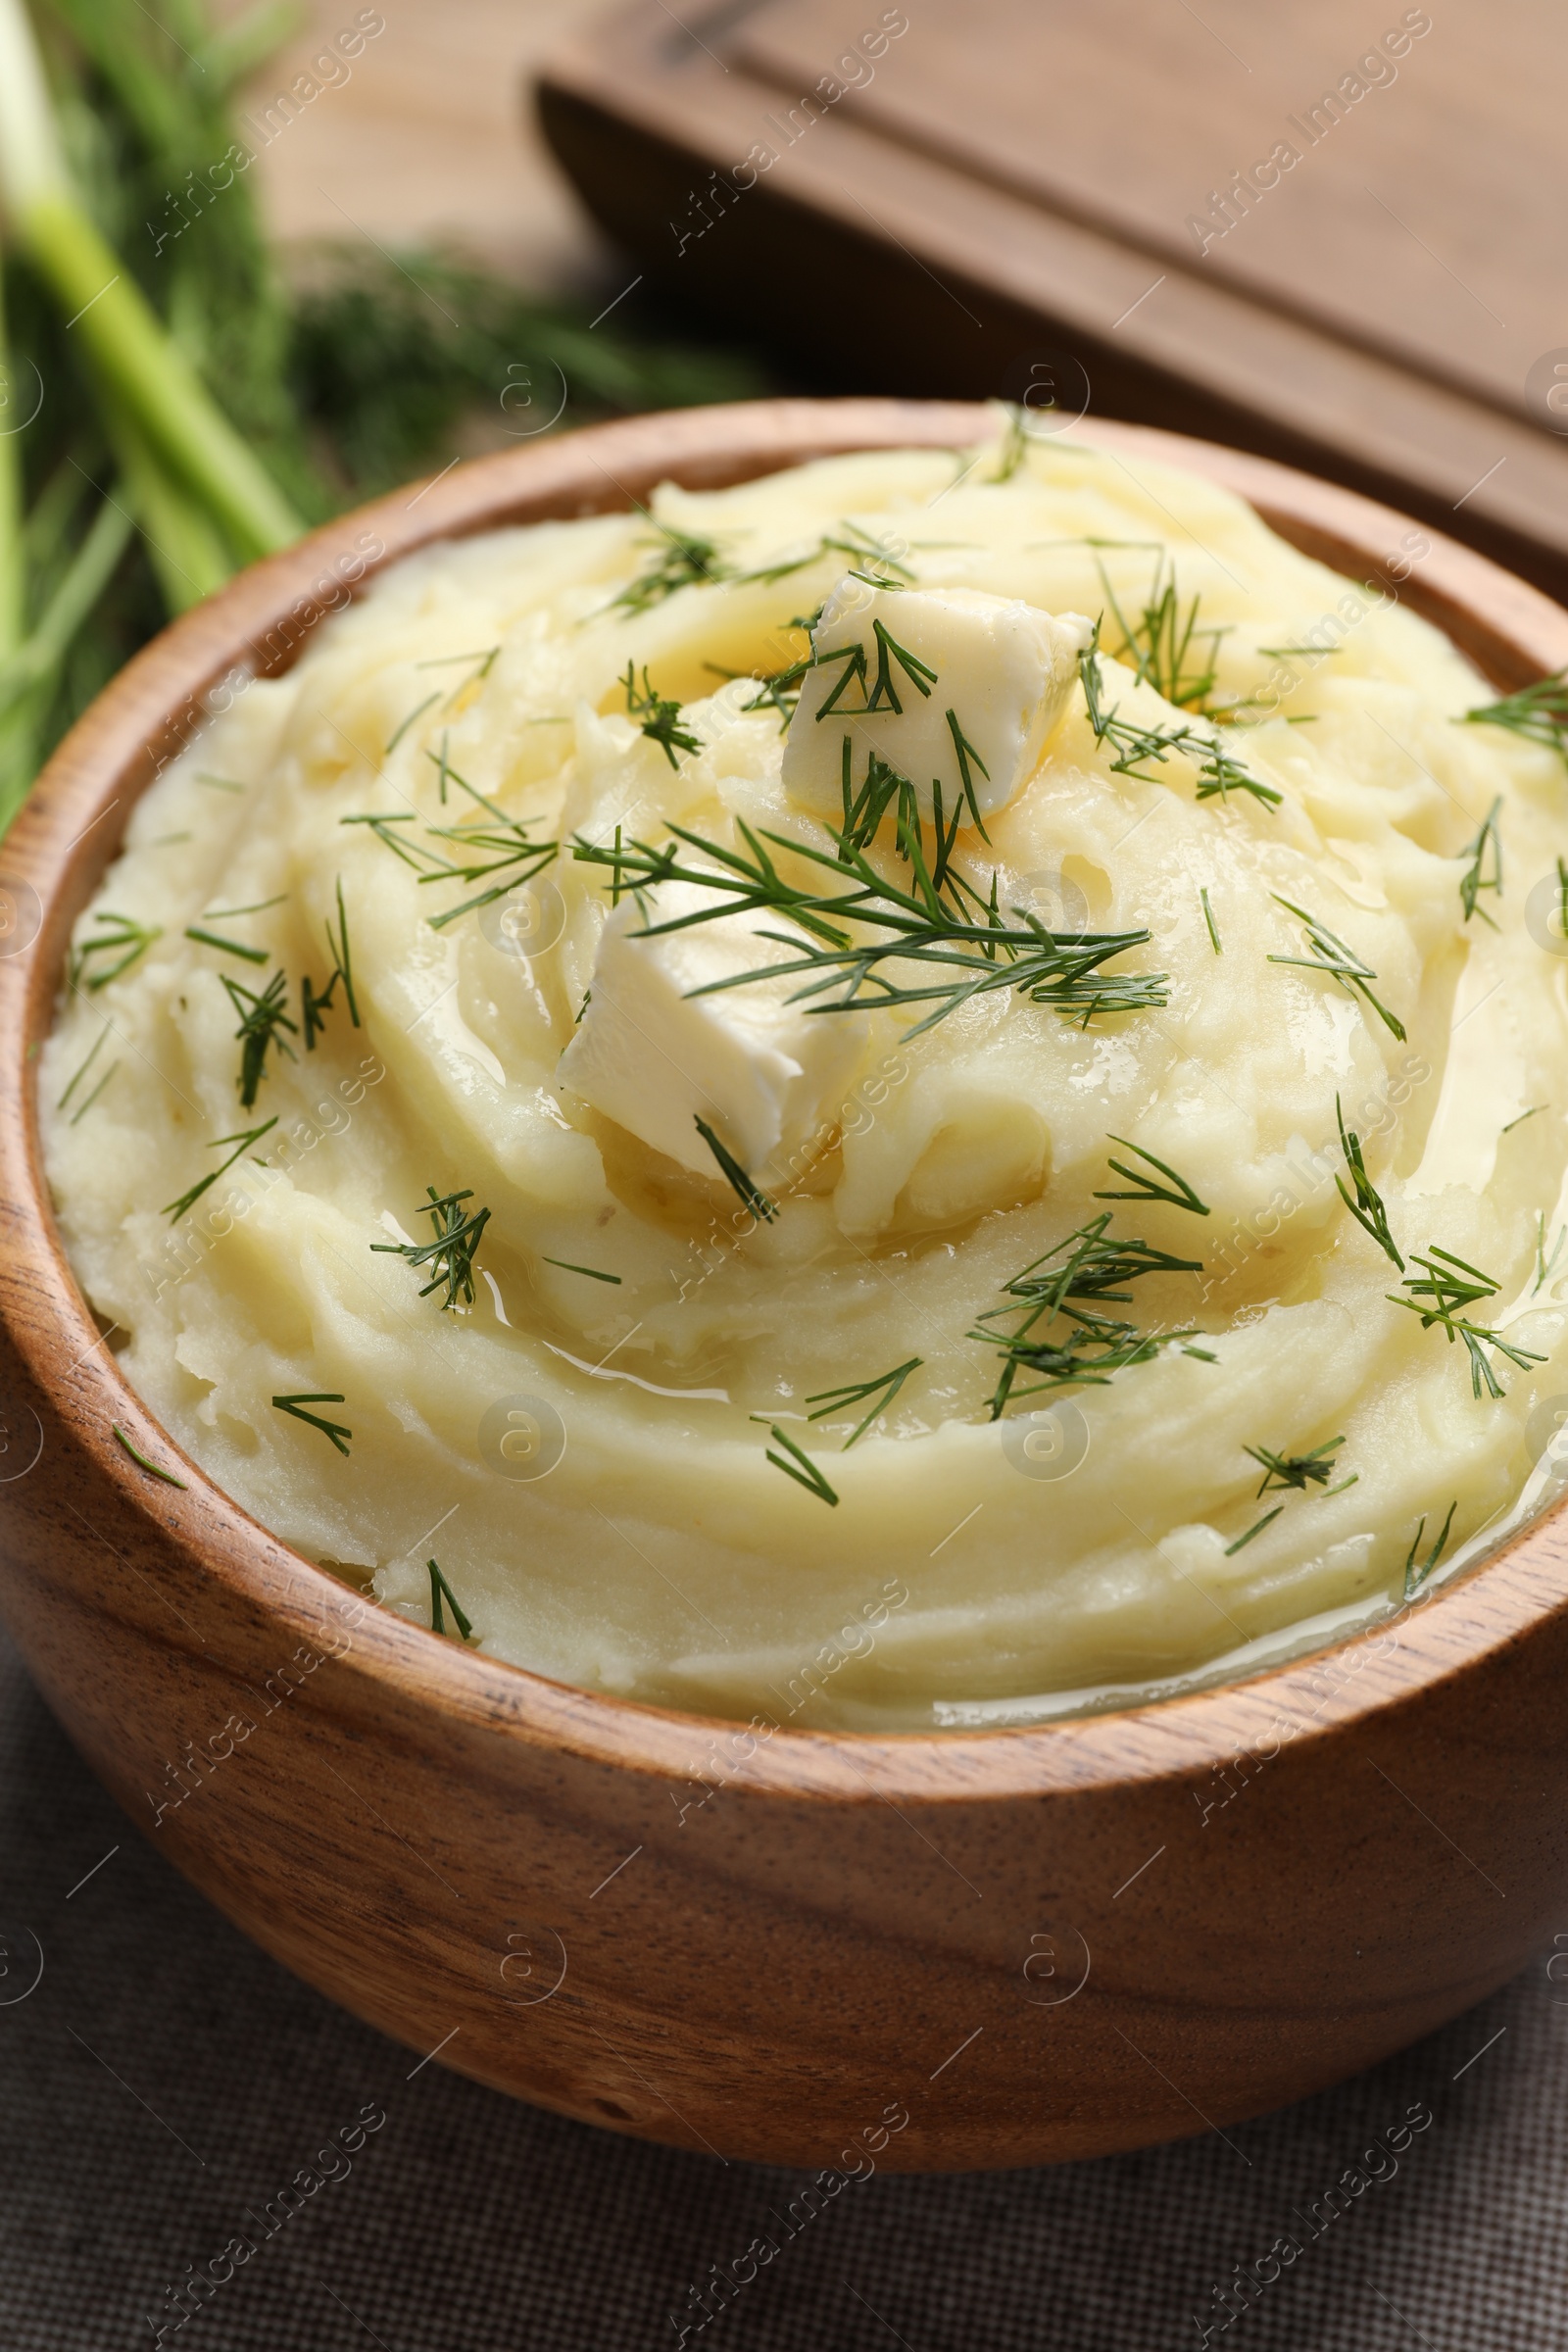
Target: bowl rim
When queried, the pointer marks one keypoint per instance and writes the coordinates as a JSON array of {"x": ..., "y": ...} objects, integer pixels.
[{"x": 61, "y": 841}]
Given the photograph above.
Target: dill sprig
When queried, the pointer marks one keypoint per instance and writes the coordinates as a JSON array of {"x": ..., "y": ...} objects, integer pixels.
[
  {"x": 120, "y": 937},
  {"x": 884, "y": 1388},
  {"x": 1219, "y": 771},
  {"x": 1415, "y": 1577},
  {"x": 450, "y": 1255},
  {"x": 593, "y": 1273},
  {"x": 681, "y": 559},
  {"x": 333, "y": 1430},
  {"x": 1159, "y": 642},
  {"x": 962, "y": 957},
  {"x": 82, "y": 1067},
  {"x": 1488, "y": 842},
  {"x": 1181, "y": 1196},
  {"x": 880, "y": 693},
  {"x": 1446, "y": 1285},
  {"x": 749, "y": 1195},
  {"x": 315, "y": 1005},
  {"x": 503, "y": 845},
  {"x": 226, "y": 947},
  {"x": 1342, "y": 964},
  {"x": 1087, "y": 1263},
  {"x": 417, "y": 712},
  {"x": 780, "y": 689},
  {"x": 800, "y": 1466},
  {"x": 262, "y": 1023},
  {"x": 1296, "y": 1470},
  {"x": 1209, "y": 917},
  {"x": 660, "y": 716},
  {"x": 440, "y": 1590},
  {"x": 1367, "y": 1208},
  {"x": 848, "y": 540},
  {"x": 175, "y": 1209},
  {"x": 1242, "y": 1542},
  {"x": 1538, "y": 713}
]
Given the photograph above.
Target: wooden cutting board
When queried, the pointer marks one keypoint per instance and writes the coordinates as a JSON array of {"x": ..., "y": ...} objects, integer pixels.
[{"x": 1331, "y": 235}]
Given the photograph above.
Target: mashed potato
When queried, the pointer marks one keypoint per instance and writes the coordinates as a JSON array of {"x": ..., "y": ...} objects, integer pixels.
[{"x": 614, "y": 1390}]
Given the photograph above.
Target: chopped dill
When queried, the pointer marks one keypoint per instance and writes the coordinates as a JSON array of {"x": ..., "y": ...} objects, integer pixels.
[
  {"x": 1444, "y": 1285},
  {"x": 335, "y": 1429},
  {"x": 801, "y": 1467},
  {"x": 681, "y": 559},
  {"x": 1087, "y": 1263},
  {"x": 660, "y": 716},
  {"x": 262, "y": 1023},
  {"x": 592, "y": 1272},
  {"x": 174, "y": 1210},
  {"x": 120, "y": 937},
  {"x": 1296, "y": 1470},
  {"x": 965, "y": 752},
  {"x": 965, "y": 956},
  {"x": 749, "y": 1195},
  {"x": 1544, "y": 1266},
  {"x": 1523, "y": 1115},
  {"x": 1242, "y": 1542},
  {"x": 884, "y": 1388},
  {"x": 316, "y": 1003},
  {"x": 849, "y": 540},
  {"x": 1183, "y": 1195},
  {"x": 1488, "y": 842},
  {"x": 1367, "y": 1208},
  {"x": 87, "y": 1101},
  {"x": 1537, "y": 713},
  {"x": 136, "y": 1456},
  {"x": 882, "y": 693},
  {"x": 440, "y": 1590},
  {"x": 228, "y": 914},
  {"x": 417, "y": 712},
  {"x": 1218, "y": 770},
  {"x": 226, "y": 947},
  {"x": 1415, "y": 1577},
  {"x": 1342, "y": 964},
  {"x": 83, "y": 1067},
  {"x": 1209, "y": 917},
  {"x": 451, "y": 1254},
  {"x": 1159, "y": 643},
  {"x": 218, "y": 783}
]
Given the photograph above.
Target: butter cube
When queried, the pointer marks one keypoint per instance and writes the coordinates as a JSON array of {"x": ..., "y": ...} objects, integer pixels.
[
  {"x": 952, "y": 688},
  {"x": 655, "y": 1059}
]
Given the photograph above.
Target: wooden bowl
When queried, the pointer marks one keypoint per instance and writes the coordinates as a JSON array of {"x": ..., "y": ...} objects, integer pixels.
[{"x": 836, "y": 1951}]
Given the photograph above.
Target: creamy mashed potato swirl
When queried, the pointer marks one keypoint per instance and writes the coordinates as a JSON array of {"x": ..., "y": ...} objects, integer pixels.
[{"x": 598, "y": 1445}]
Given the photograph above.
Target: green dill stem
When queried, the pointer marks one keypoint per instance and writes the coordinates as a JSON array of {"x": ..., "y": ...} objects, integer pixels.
[
  {"x": 83, "y": 1109},
  {"x": 593, "y": 1273},
  {"x": 188, "y": 551},
  {"x": 749, "y": 1194},
  {"x": 167, "y": 1476},
  {"x": 1367, "y": 1207},
  {"x": 1267, "y": 1520},
  {"x": 333, "y": 1430},
  {"x": 33, "y": 659},
  {"x": 801, "y": 1467},
  {"x": 1475, "y": 879},
  {"x": 416, "y": 713},
  {"x": 227, "y": 946},
  {"x": 83, "y": 1067},
  {"x": 831, "y": 1401},
  {"x": 1209, "y": 917},
  {"x": 1183, "y": 1195},
  {"x": 1415, "y": 1577},
  {"x": 439, "y": 1589},
  {"x": 175, "y": 1209},
  {"x": 1297, "y": 1470}
]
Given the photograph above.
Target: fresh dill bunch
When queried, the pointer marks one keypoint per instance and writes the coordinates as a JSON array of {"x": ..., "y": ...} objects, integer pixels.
[
  {"x": 956, "y": 957},
  {"x": 1367, "y": 1207},
  {"x": 263, "y": 1020},
  {"x": 882, "y": 1390},
  {"x": 1296, "y": 1470},
  {"x": 1342, "y": 964},
  {"x": 1446, "y": 1285},
  {"x": 1219, "y": 771},
  {"x": 1162, "y": 642},
  {"x": 1487, "y": 844},
  {"x": 1416, "y": 1573},
  {"x": 660, "y": 716},
  {"x": 1537, "y": 713},
  {"x": 749, "y": 1194},
  {"x": 1088, "y": 1263},
  {"x": 120, "y": 937},
  {"x": 451, "y": 1254}
]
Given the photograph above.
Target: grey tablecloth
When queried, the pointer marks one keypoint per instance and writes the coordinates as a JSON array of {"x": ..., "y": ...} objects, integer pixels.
[{"x": 162, "y": 2081}]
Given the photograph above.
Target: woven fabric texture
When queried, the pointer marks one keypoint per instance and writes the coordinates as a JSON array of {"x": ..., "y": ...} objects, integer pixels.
[{"x": 162, "y": 2076}]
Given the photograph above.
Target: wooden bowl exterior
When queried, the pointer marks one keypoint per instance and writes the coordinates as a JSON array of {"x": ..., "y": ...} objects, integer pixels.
[{"x": 919, "y": 1952}]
